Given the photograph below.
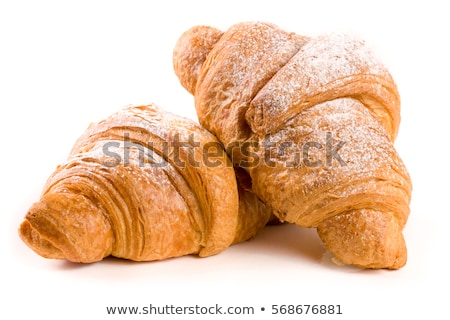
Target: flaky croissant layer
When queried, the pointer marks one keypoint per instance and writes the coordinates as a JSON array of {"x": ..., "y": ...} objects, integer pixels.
[
  {"x": 323, "y": 114},
  {"x": 137, "y": 186}
]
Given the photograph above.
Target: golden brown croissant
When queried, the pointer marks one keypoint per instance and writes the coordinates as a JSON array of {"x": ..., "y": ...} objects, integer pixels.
[
  {"x": 143, "y": 184},
  {"x": 312, "y": 121}
]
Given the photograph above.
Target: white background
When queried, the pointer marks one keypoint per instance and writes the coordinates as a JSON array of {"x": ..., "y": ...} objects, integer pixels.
[{"x": 65, "y": 65}]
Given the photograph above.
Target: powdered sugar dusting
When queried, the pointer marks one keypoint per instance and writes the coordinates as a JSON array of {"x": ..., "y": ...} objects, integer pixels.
[
  {"x": 296, "y": 91},
  {"x": 326, "y": 67},
  {"x": 238, "y": 66},
  {"x": 258, "y": 76},
  {"x": 370, "y": 171},
  {"x": 323, "y": 117}
]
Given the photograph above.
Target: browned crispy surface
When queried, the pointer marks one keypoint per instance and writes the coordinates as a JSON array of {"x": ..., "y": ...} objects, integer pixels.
[
  {"x": 137, "y": 186},
  {"x": 318, "y": 117}
]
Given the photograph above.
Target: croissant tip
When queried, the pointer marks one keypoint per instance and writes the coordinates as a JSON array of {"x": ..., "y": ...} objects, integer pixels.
[
  {"x": 39, "y": 244},
  {"x": 67, "y": 226},
  {"x": 190, "y": 53}
]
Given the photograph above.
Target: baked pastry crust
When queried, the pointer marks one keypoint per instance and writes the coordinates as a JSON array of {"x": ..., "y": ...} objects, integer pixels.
[
  {"x": 137, "y": 186},
  {"x": 283, "y": 94}
]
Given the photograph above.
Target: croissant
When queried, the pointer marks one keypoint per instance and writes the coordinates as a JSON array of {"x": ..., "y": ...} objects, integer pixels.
[
  {"x": 143, "y": 184},
  {"x": 312, "y": 120}
]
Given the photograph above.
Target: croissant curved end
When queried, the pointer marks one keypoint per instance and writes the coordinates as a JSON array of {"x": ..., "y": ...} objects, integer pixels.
[
  {"x": 38, "y": 242},
  {"x": 190, "y": 52},
  {"x": 67, "y": 226},
  {"x": 365, "y": 238}
]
